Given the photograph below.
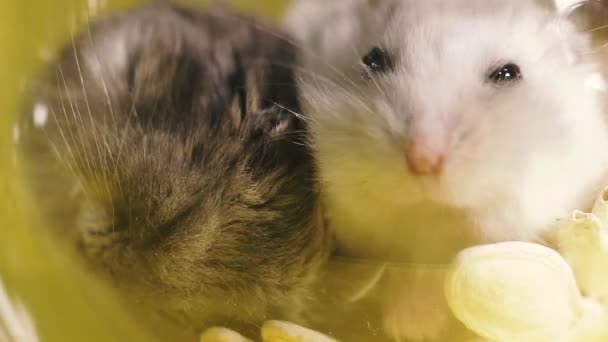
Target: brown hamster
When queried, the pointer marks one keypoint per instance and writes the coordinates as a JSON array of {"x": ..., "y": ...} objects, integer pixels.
[{"x": 165, "y": 146}]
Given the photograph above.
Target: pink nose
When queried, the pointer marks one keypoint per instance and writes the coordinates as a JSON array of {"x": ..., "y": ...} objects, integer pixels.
[{"x": 424, "y": 160}]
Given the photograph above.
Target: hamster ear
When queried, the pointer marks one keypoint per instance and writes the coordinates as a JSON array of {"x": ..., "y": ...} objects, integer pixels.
[
  {"x": 589, "y": 18},
  {"x": 576, "y": 41},
  {"x": 590, "y": 15},
  {"x": 571, "y": 24}
]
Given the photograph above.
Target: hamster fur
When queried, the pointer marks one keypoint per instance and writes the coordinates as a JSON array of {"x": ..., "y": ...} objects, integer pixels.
[
  {"x": 421, "y": 152},
  {"x": 192, "y": 186},
  {"x": 517, "y": 156}
]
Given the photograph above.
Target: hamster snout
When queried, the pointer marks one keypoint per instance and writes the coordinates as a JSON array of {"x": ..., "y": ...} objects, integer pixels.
[
  {"x": 427, "y": 148},
  {"x": 423, "y": 159}
]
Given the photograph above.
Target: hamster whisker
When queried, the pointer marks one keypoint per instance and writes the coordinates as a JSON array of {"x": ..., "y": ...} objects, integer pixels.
[
  {"x": 599, "y": 28},
  {"x": 291, "y": 135},
  {"x": 110, "y": 107},
  {"x": 355, "y": 98},
  {"x": 121, "y": 144},
  {"x": 602, "y": 46},
  {"x": 596, "y": 50},
  {"x": 300, "y": 143},
  {"x": 318, "y": 77},
  {"x": 321, "y": 81},
  {"x": 100, "y": 155},
  {"x": 103, "y": 83},
  {"x": 308, "y": 72},
  {"x": 69, "y": 158},
  {"x": 62, "y": 82},
  {"x": 294, "y": 132},
  {"x": 294, "y": 113},
  {"x": 70, "y": 152},
  {"x": 93, "y": 169}
]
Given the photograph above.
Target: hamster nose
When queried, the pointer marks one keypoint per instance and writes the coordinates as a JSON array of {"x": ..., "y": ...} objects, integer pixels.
[{"x": 424, "y": 160}]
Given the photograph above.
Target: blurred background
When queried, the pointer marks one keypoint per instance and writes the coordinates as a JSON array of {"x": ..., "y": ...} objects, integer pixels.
[{"x": 43, "y": 296}]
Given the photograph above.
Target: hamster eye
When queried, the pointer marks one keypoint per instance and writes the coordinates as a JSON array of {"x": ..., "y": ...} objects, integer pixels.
[
  {"x": 505, "y": 73},
  {"x": 377, "y": 60}
]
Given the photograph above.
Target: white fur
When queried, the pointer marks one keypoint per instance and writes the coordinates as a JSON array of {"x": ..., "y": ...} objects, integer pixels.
[
  {"x": 309, "y": 21},
  {"x": 518, "y": 156}
]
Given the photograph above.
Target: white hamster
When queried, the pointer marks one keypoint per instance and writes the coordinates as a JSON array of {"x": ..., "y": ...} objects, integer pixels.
[
  {"x": 475, "y": 105},
  {"x": 438, "y": 124}
]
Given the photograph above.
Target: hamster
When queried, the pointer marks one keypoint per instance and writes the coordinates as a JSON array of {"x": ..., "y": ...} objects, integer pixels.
[
  {"x": 400, "y": 124},
  {"x": 447, "y": 123},
  {"x": 165, "y": 144}
]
